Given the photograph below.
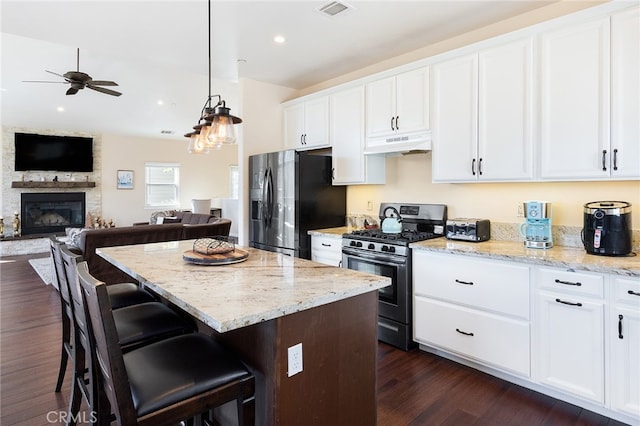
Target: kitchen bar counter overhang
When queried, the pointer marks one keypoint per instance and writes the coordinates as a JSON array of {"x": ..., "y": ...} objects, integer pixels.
[{"x": 265, "y": 286}]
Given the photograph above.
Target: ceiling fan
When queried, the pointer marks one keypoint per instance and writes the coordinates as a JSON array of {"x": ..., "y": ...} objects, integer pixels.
[{"x": 79, "y": 80}]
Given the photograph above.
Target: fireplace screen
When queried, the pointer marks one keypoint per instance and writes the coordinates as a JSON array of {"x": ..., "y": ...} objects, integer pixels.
[{"x": 46, "y": 212}]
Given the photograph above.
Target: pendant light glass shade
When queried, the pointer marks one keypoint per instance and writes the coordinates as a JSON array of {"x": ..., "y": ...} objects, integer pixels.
[
  {"x": 222, "y": 131},
  {"x": 197, "y": 144}
]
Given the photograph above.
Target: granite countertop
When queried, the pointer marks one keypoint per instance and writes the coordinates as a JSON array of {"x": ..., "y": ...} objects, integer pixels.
[
  {"x": 333, "y": 232},
  {"x": 557, "y": 256},
  {"x": 226, "y": 297}
]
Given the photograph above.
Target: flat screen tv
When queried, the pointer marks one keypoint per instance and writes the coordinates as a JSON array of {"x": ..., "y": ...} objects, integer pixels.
[{"x": 53, "y": 153}]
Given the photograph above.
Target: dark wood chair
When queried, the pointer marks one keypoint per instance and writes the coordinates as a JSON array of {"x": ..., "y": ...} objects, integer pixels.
[
  {"x": 136, "y": 326},
  {"x": 120, "y": 295},
  {"x": 65, "y": 307},
  {"x": 166, "y": 382}
]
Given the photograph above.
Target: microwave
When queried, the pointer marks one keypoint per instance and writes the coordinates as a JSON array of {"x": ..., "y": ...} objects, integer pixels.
[{"x": 463, "y": 229}]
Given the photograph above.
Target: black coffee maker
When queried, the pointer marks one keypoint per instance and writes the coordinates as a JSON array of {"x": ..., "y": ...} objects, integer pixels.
[{"x": 607, "y": 228}]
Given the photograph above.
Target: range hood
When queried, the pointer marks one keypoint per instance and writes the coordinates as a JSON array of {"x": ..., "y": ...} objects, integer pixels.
[{"x": 399, "y": 144}]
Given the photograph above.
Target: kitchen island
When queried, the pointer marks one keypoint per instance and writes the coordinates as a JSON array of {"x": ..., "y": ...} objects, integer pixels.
[{"x": 267, "y": 304}]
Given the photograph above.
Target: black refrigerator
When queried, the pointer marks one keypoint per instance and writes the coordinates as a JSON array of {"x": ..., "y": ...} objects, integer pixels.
[{"x": 291, "y": 193}]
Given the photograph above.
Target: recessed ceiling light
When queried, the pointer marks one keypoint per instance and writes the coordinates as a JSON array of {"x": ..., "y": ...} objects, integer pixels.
[
  {"x": 160, "y": 102},
  {"x": 279, "y": 39},
  {"x": 60, "y": 109}
]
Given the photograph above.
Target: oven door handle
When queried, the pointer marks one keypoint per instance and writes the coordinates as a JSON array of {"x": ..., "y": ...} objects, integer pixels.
[{"x": 396, "y": 260}]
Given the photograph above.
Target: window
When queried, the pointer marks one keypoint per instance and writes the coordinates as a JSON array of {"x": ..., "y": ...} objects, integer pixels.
[{"x": 162, "y": 181}]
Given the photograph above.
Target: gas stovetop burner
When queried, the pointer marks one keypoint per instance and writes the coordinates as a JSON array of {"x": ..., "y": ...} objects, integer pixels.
[{"x": 401, "y": 238}]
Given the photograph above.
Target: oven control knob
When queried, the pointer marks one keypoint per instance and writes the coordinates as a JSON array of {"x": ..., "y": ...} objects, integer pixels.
[
  {"x": 352, "y": 243},
  {"x": 392, "y": 249},
  {"x": 385, "y": 248},
  {"x": 371, "y": 246},
  {"x": 359, "y": 244}
]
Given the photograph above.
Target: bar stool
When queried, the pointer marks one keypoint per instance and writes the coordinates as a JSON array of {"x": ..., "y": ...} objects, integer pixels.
[
  {"x": 135, "y": 326},
  {"x": 165, "y": 382},
  {"x": 120, "y": 295}
]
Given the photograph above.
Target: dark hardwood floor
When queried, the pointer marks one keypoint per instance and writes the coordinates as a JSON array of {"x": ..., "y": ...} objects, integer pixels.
[{"x": 414, "y": 388}]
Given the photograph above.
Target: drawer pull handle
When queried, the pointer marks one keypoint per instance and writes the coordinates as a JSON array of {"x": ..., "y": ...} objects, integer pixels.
[
  {"x": 465, "y": 282},
  {"x": 568, "y": 303},
  {"x": 568, "y": 283},
  {"x": 620, "y": 318},
  {"x": 326, "y": 245},
  {"x": 633, "y": 293},
  {"x": 464, "y": 332}
]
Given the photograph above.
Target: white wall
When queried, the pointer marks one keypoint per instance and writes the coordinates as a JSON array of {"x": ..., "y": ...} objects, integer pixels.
[{"x": 201, "y": 176}]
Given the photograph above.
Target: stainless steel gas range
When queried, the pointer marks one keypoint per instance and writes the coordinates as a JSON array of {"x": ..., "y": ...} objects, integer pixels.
[{"x": 388, "y": 254}]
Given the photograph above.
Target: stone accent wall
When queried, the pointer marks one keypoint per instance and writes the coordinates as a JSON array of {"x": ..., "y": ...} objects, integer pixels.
[{"x": 11, "y": 196}]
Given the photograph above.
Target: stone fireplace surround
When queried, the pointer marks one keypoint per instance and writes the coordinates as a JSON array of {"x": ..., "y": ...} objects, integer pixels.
[{"x": 11, "y": 196}]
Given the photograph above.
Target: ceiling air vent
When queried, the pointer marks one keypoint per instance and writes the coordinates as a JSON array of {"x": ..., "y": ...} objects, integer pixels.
[
  {"x": 166, "y": 132},
  {"x": 334, "y": 8}
]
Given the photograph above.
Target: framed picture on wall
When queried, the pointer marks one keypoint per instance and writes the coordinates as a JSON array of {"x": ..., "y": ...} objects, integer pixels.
[{"x": 125, "y": 179}]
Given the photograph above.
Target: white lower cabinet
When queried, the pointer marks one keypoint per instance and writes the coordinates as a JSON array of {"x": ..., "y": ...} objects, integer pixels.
[
  {"x": 478, "y": 309},
  {"x": 574, "y": 335},
  {"x": 326, "y": 250},
  {"x": 624, "y": 326},
  {"x": 499, "y": 341},
  {"x": 569, "y": 329}
]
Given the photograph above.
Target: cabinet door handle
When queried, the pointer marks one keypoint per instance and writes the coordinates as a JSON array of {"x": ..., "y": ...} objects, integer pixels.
[
  {"x": 604, "y": 160},
  {"x": 620, "y": 318},
  {"x": 615, "y": 159},
  {"x": 464, "y": 332},
  {"x": 480, "y": 167},
  {"x": 397, "y": 122},
  {"x": 464, "y": 282},
  {"x": 392, "y": 119},
  {"x": 326, "y": 245},
  {"x": 333, "y": 173},
  {"x": 633, "y": 293},
  {"x": 473, "y": 167},
  {"x": 568, "y": 283},
  {"x": 568, "y": 303}
]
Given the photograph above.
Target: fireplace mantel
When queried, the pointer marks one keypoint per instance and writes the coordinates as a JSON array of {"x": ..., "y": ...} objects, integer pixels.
[{"x": 52, "y": 184}]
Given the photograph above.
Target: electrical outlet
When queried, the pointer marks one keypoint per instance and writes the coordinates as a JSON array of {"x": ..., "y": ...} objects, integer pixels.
[
  {"x": 519, "y": 209},
  {"x": 295, "y": 359},
  {"x": 369, "y": 206}
]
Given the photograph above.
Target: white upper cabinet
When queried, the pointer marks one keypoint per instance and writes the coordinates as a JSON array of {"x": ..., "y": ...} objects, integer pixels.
[
  {"x": 350, "y": 165},
  {"x": 397, "y": 112},
  {"x": 574, "y": 101},
  {"x": 306, "y": 124},
  {"x": 482, "y": 115},
  {"x": 624, "y": 159},
  {"x": 455, "y": 119}
]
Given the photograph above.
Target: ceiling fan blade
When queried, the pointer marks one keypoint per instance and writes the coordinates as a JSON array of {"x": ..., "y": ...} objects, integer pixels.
[
  {"x": 103, "y": 83},
  {"x": 55, "y": 73},
  {"x": 103, "y": 90},
  {"x": 72, "y": 90},
  {"x": 43, "y": 81}
]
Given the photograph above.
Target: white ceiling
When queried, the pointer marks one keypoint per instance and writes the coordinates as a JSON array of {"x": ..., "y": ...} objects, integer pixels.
[{"x": 158, "y": 50}]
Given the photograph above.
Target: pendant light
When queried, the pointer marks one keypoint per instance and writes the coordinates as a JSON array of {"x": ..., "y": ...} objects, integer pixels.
[{"x": 216, "y": 125}]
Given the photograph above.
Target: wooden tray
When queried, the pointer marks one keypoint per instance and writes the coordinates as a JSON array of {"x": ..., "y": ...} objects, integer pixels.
[{"x": 236, "y": 256}]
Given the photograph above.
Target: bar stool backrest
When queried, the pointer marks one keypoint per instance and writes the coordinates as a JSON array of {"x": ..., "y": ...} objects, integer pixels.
[{"x": 110, "y": 371}]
